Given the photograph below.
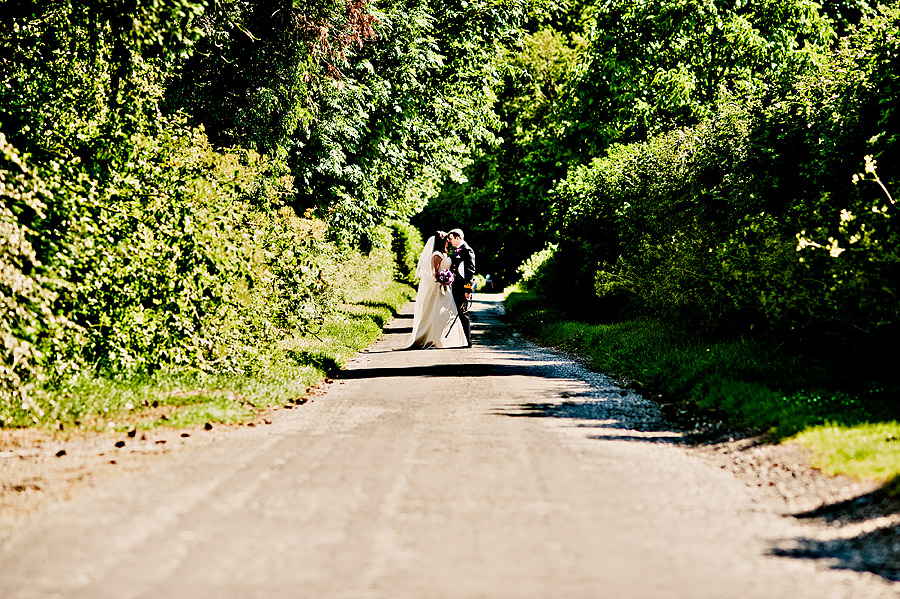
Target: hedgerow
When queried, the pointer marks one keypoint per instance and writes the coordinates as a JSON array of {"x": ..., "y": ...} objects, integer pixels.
[
  {"x": 171, "y": 263},
  {"x": 767, "y": 216},
  {"x": 188, "y": 185},
  {"x": 406, "y": 245}
]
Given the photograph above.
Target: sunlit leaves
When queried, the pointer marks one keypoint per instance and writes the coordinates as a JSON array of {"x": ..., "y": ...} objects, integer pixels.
[
  {"x": 411, "y": 106},
  {"x": 751, "y": 217},
  {"x": 658, "y": 65}
]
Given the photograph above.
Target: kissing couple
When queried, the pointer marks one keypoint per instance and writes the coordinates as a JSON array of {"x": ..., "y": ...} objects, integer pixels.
[{"x": 446, "y": 273}]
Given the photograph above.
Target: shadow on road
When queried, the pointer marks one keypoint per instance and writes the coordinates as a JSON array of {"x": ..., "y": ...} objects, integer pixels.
[
  {"x": 611, "y": 414},
  {"x": 451, "y": 371},
  {"x": 876, "y": 550},
  {"x": 399, "y": 330},
  {"x": 881, "y": 502}
]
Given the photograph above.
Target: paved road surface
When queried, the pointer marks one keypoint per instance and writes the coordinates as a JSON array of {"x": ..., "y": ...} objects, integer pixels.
[{"x": 500, "y": 472}]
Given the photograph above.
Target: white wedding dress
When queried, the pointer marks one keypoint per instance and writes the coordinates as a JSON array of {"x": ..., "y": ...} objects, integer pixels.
[{"x": 434, "y": 319}]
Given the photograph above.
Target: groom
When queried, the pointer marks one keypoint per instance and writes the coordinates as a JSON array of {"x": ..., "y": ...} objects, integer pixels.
[{"x": 462, "y": 265}]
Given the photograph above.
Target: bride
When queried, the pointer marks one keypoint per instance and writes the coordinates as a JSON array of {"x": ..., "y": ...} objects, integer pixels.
[{"x": 434, "y": 319}]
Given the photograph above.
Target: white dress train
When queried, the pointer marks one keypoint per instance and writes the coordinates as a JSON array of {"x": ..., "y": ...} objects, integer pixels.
[{"x": 434, "y": 318}]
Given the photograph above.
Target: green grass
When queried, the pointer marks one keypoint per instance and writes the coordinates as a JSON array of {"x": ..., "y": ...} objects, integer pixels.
[
  {"x": 865, "y": 450},
  {"x": 848, "y": 420},
  {"x": 189, "y": 399},
  {"x": 359, "y": 322}
]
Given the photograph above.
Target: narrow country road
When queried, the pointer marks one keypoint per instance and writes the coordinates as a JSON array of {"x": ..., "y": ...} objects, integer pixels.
[{"x": 500, "y": 472}]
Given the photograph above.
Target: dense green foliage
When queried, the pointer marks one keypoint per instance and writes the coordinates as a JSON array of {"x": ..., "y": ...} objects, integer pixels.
[
  {"x": 730, "y": 168},
  {"x": 744, "y": 266},
  {"x": 406, "y": 244},
  {"x": 188, "y": 185},
  {"x": 751, "y": 193},
  {"x": 752, "y": 217},
  {"x": 592, "y": 73},
  {"x": 502, "y": 202},
  {"x": 657, "y": 65},
  {"x": 368, "y": 124}
]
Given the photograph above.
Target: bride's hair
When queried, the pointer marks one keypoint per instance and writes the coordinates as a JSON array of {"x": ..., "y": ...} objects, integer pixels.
[{"x": 440, "y": 241}]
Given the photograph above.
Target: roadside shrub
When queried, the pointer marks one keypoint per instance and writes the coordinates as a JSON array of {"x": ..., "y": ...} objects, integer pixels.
[
  {"x": 641, "y": 222},
  {"x": 27, "y": 296},
  {"x": 407, "y": 245},
  {"x": 177, "y": 259},
  {"x": 536, "y": 268},
  {"x": 364, "y": 267},
  {"x": 833, "y": 154},
  {"x": 132, "y": 248},
  {"x": 751, "y": 219}
]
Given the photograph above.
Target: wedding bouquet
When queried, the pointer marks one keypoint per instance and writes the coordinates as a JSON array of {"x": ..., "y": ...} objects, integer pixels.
[{"x": 445, "y": 278}]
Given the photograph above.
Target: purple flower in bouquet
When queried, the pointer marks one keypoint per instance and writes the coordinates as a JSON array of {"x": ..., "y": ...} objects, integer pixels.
[{"x": 445, "y": 277}]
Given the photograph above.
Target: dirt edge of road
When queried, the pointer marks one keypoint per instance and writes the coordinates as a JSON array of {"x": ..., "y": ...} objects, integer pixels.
[{"x": 40, "y": 467}]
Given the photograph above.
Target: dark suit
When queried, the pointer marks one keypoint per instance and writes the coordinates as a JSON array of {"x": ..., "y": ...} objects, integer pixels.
[{"x": 463, "y": 283}]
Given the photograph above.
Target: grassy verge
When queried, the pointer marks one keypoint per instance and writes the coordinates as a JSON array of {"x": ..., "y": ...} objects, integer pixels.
[
  {"x": 850, "y": 425},
  {"x": 192, "y": 399}
]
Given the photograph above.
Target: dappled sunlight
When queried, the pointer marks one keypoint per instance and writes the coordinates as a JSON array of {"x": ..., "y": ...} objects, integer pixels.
[
  {"x": 869, "y": 546},
  {"x": 605, "y": 419}
]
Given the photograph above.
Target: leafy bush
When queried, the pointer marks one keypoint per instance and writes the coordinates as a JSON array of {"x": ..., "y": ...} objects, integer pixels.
[
  {"x": 750, "y": 219},
  {"x": 27, "y": 296},
  {"x": 656, "y": 65},
  {"x": 138, "y": 249},
  {"x": 168, "y": 264},
  {"x": 532, "y": 268},
  {"x": 132, "y": 247},
  {"x": 828, "y": 134},
  {"x": 407, "y": 245},
  {"x": 183, "y": 291},
  {"x": 172, "y": 258}
]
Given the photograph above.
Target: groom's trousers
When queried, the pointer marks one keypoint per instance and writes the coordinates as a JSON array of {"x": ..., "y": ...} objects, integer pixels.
[{"x": 462, "y": 308}]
